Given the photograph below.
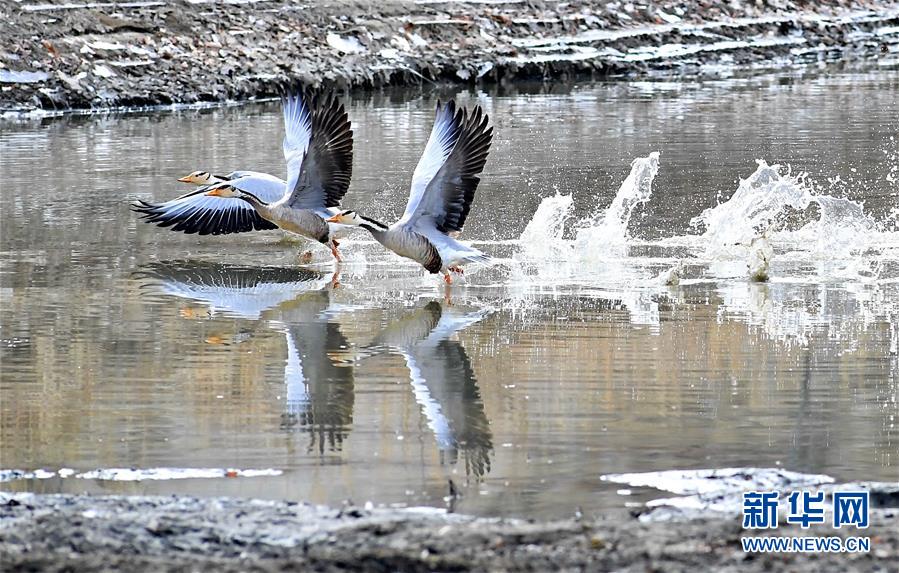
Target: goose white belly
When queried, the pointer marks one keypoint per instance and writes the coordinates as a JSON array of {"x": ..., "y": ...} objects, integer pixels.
[{"x": 451, "y": 251}]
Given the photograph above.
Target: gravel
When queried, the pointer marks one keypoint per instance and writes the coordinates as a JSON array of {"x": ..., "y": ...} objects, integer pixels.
[
  {"x": 91, "y": 55},
  {"x": 93, "y": 533}
]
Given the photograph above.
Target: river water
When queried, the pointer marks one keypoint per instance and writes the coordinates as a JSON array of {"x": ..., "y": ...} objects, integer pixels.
[{"x": 140, "y": 360}]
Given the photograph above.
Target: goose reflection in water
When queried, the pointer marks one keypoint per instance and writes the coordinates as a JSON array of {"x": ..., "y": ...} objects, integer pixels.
[
  {"x": 320, "y": 387},
  {"x": 296, "y": 302},
  {"x": 319, "y": 370},
  {"x": 444, "y": 382}
]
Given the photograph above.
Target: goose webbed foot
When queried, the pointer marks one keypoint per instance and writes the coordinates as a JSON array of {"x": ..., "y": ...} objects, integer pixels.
[
  {"x": 305, "y": 257},
  {"x": 447, "y": 278},
  {"x": 456, "y": 269}
]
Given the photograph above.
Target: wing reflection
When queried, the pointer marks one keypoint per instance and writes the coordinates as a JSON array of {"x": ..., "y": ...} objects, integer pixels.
[
  {"x": 235, "y": 290},
  {"x": 296, "y": 302},
  {"x": 444, "y": 383},
  {"x": 320, "y": 387}
]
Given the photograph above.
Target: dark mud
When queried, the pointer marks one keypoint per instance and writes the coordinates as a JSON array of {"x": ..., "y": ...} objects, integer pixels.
[
  {"x": 60, "y": 54},
  {"x": 84, "y": 533}
]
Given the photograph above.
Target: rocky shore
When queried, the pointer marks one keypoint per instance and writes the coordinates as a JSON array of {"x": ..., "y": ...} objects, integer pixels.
[
  {"x": 116, "y": 533},
  {"x": 85, "y": 54}
]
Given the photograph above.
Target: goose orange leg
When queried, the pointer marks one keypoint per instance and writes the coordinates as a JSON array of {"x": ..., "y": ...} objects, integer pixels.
[
  {"x": 447, "y": 289},
  {"x": 335, "y": 279},
  {"x": 334, "y": 251}
]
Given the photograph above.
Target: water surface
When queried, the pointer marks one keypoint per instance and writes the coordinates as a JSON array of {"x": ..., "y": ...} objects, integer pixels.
[{"x": 129, "y": 346}]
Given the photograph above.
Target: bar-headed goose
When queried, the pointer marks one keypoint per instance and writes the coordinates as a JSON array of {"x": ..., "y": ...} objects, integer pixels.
[
  {"x": 195, "y": 213},
  {"x": 318, "y": 147},
  {"x": 443, "y": 188}
]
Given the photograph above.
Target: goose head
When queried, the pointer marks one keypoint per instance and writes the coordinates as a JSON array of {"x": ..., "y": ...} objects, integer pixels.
[
  {"x": 354, "y": 219},
  {"x": 198, "y": 178},
  {"x": 228, "y": 191},
  {"x": 348, "y": 217}
]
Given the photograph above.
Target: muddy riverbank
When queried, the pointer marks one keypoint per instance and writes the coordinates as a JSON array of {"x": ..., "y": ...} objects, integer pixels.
[
  {"x": 86, "y": 533},
  {"x": 59, "y": 55}
]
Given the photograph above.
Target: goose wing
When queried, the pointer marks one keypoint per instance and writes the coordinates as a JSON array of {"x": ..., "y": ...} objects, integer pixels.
[
  {"x": 446, "y": 177},
  {"x": 318, "y": 147},
  {"x": 196, "y": 212}
]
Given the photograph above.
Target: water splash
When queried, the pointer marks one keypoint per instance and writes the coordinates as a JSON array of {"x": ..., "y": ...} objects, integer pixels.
[
  {"x": 772, "y": 213},
  {"x": 608, "y": 229},
  {"x": 543, "y": 237},
  {"x": 775, "y": 226},
  {"x": 784, "y": 207},
  {"x": 596, "y": 237},
  {"x": 891, "y": 152},
  {"x": 760, "y": 255},
  {"x": 548, "y": 258}
]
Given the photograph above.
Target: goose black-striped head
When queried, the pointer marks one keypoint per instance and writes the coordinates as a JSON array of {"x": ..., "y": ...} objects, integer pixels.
[
  {"x": 228, "y": 191},
  {"x": 197, "y": 178},
  {"x": 350, "y": 217}
]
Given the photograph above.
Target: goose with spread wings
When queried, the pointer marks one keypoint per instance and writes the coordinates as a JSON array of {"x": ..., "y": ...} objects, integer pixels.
[
  {"x": 194, "y": 212},
  {"x": 318, "y": 147},
  {"x": 443, "y": 187}
]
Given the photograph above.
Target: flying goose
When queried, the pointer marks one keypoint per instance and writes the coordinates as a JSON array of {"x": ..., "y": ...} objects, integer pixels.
[
  {"x": 195, "y": 213},
  {"x": 318, "y": 147},
  {"x": 443, "y": 188}
]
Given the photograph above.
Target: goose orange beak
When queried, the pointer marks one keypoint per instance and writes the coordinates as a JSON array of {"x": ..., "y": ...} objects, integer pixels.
[
  {"x": 334, "y": 219},
  {"x": 214, "y": 193},
  {"x": 185, "y": 179}
]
